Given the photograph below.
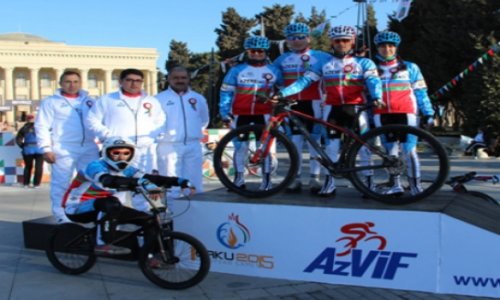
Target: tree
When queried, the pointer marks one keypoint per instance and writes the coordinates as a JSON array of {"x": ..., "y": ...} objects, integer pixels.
[
  {"x": 443, "y": 38},
  {"x": 367, "y": 32},
  {"x": 178, "y": 55},
  {"x": 233, "y": 32}
]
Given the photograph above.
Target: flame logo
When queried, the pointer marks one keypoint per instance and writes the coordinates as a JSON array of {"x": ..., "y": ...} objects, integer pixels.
[{"x": 233, "y": 234}]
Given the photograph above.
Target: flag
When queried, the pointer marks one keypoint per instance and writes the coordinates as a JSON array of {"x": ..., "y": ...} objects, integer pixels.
[{"x": 403, "y": 10}]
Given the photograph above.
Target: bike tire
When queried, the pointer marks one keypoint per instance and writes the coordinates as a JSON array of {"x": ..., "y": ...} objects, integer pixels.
[
  {"x": 188, "y": 266},
  {"x": 283, "y": 162},
  {"x": 483, "y": 196},
  {"x": 70, "y": 248},
  {"x": 429, "y": 154}
]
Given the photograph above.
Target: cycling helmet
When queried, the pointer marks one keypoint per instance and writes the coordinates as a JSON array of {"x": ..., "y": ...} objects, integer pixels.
[
  {"x": 113, "y": 143},
  {"x": 296, "y": 28},
  {"x": 256, "y": 42},
  {"x": 390, "y": 37},
  {"x": 341, "y": 32}
]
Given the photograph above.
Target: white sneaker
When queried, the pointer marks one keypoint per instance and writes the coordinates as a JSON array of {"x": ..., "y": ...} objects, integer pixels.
[
  {"x": 295, "y": 187},
  {"x": 415, "y": 186},
  {"x": 397, "y": 189},
  {"x": 239, "y": 180},
  {"x": 314, "y": 186},
  {"x": 328, "y": 189}
]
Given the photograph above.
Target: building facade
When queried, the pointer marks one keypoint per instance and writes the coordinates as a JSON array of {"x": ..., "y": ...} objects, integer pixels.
[{"x": 30, "y": 67}]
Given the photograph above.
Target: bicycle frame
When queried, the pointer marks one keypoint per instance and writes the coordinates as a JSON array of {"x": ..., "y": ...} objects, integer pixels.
[{"x": 285, "y": 111}]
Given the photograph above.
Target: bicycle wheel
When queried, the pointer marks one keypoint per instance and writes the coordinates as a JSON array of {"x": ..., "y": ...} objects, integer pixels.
[
  {"x": 483, "y": 196},
  {"x": 276, "y": 168},
  {"x": 187, "y": 261},
  {"x": 397, "y": 164},
  {"x": 70, "y": 248}
]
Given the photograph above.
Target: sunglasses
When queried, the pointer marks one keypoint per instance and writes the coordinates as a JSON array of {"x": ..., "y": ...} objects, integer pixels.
[
  {"x": 120, "y": 152},
  {"x": 259, "y": 51},
  {"x": 296, "y": 37},
  {"x": 134, "y": 80},
  {"x": 338, "y": 41}
]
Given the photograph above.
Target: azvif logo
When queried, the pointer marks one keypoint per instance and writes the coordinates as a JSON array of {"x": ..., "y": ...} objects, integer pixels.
[{"x": 347, "y": 259}]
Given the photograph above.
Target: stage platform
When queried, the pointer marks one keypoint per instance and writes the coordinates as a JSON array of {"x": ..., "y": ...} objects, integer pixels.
[{"x": 446, "y": 239}]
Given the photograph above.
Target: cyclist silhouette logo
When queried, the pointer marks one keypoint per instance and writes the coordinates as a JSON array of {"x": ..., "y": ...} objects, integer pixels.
[
  {"x": 359, "y": 232},
  {"x": 233, "y": 234}
]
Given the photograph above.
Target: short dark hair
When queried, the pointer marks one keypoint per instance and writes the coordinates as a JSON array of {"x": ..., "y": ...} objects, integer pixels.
[
  {"x": 126, "y": 72},
  {"x": 69, "y": 72}
]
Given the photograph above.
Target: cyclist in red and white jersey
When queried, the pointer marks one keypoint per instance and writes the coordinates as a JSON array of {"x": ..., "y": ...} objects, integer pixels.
[
  {"x": 404, "y": 96},
  {"x": 294, "y": 64}
]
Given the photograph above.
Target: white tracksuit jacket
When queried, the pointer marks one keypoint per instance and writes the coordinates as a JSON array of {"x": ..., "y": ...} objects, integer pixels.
[
  {"x": 179, "y": 150},
  {"x": 139, "y": 119},
  {"x": 61, "y": 128}
]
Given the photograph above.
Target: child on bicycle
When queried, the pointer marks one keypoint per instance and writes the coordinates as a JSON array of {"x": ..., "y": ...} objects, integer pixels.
[{"x": 92, "y": 193}]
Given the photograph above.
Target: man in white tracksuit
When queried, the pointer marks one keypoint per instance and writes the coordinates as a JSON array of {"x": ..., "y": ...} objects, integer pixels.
[
  {"x": 130, "y": 113},
  {"x": 179, "y": 151},
  {"x": 65, "y": 139}
]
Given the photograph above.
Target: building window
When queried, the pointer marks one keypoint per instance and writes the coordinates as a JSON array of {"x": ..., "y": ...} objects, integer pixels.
[
  {"x": 21, "y": 79},
  {"x": 92, "y": 81},
  {"x": 46, "y": 80}
]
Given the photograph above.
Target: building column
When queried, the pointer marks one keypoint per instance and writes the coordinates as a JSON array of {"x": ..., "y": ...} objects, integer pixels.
[
  {"x": 59, "y": 72},
  {"x": 9, "y": 83},
  {"x": 35, "y": 84},
  {"x": 108, "y": 81},
  {"x": 84, "y": 74},
  {"x": 154, "y": 83}
]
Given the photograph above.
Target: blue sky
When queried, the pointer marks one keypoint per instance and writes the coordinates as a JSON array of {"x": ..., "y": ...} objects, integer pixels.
[{"x": 154, "y": 23}]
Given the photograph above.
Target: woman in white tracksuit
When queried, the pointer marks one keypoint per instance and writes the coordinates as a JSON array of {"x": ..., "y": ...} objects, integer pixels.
[
  {"x": 179, "y": 151},
  {"x": 66, "y": 141},
  {"x": 131, "y": 114}
]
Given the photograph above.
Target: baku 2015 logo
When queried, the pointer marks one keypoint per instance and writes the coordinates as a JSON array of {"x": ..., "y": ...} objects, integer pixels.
[{"x": 233, "y": 234}]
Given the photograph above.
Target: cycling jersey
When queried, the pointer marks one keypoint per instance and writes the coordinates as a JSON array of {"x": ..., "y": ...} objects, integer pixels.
[
  {"x": 242, "y": 87},
  {"x": 404, "y": 89},
  {"x": 344, "y": 80},
  {"x": 295, "y": 64},
  {"x": 86, "y": 185}
]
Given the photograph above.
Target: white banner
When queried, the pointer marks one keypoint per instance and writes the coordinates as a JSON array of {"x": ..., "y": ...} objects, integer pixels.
[
  {"x": 403, "y": 10},
  {"x": 342, "y": 246},
  {"x": 470, "y": 263}
]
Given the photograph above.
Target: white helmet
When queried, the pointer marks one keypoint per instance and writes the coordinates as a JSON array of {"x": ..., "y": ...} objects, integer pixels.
[
  {"x": 113, "y": 143},
  {"x": 341, "y": 32}
]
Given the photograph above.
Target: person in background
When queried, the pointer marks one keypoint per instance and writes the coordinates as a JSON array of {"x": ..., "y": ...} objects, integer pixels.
[
  {"x": 132, "y": 114},
  {"x": 404, "y": 96},
  {"x": 179, "y": 150},
  {"x": 26, "y": 140},
  {"x": 62, "y": 133},
  {"x": 294, "y": 64}
]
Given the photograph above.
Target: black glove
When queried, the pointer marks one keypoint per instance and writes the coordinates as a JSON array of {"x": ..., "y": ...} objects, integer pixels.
[{"x": 184, "y": 183}]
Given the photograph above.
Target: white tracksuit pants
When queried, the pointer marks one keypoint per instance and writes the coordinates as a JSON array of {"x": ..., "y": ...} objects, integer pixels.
[
  {"x": 182, "y": 160},
  {"x": 69, "y": 159}
]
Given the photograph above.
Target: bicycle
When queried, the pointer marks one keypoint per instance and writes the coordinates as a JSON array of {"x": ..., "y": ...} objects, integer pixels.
[
  {"x": 227, "y": 162},
  {"x": 457, "y": 183},
  {"x": 361, "y": 156},
  {"x": 169, "y": 259}
]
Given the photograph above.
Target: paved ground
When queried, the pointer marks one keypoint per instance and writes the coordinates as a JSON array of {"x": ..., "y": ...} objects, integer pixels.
[{"x": 27, "y": 274}]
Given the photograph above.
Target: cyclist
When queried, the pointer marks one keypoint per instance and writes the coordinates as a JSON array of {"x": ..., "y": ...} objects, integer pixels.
[
  {"x": 344, "y": 78},
  {"x": 294, "y": 64},
  {"x": 242, "y": 88},
  {"x": 404, "y": 95},
  {"x": 92, "y": 193}
]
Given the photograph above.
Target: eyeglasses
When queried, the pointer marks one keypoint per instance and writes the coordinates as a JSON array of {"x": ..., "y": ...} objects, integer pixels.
[
  {"x": 296, "y": 37},
  {"x": 338, "y": 41},
  {"x": 130, "y": 80},
  {"x": 258, "y": 51},
  {"x": 120, "y": 152}
]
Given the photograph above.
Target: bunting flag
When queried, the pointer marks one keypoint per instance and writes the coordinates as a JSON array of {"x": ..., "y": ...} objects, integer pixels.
[
  {"x": 403, "y": 10},
  {"x": 472, "y": 67}
]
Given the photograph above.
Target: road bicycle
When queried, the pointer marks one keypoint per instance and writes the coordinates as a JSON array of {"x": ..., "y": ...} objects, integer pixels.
[
  {"x": 457, "y": 183},
  {"x": 169, "y": 259},
  {"x": 363, "y": 159}
]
